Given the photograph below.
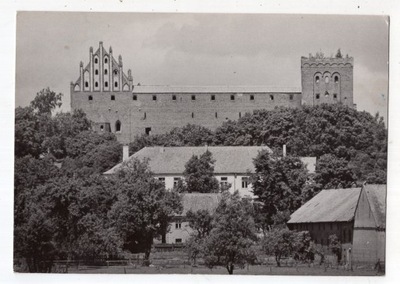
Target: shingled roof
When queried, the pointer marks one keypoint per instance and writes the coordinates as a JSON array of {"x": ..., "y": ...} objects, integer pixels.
[
  {"x": 172, "y": 160},
  {"x": 376, "y": 194},
  {"x": 331, "y": 205},
  {"x": 200, "y": 201}
]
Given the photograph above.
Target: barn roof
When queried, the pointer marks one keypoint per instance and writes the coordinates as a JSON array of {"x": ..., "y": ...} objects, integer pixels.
[
  {"x": 172, "y": 160},
  {"x": 376, "y": 194},
  {"x": 200, "y": 201},
  {"x": 331, "y": 205},
  {"x": 164, "y": 89}
]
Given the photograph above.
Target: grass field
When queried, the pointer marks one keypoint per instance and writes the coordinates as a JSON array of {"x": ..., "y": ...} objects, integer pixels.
[{"x": 251, "y": 270}]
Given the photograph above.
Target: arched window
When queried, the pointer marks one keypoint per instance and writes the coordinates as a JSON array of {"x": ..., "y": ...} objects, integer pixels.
[
  {"x": 96, "y": 84},
  {"x": 336, "y": 79},
  {"x": 317, "y": 79},
  {"x": 86, "y": 84},
  {"x": 105, "y": 71},
  {"x": 106, "y": 84},
  {"x": 116, "y": 84},
  {"x": 118, "y": 126},
  {"x": 95, "y": 60},
  {"x": 96, "y": 72},
  {"x": 105, "y": 60},
  {"x": 90, "y": 98}
]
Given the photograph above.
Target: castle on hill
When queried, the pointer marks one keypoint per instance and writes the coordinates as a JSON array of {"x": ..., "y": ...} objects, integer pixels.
[{"x": 113, "y": 103}]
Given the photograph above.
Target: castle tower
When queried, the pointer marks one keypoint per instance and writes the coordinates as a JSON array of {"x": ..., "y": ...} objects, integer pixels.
[{"x": 327, "y": 79}]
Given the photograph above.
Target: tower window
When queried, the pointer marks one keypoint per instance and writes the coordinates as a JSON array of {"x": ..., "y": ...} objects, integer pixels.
[
  {"x": 96, "y": 84},
  {"x": 335, "y": 96},
  {"x": 193, "y": 97},
  {"x": 251, "y": 97},
  {"x": 173, "y": 97},
  {"x": 96, "y": 72},
  {"x": 106, "y": 84},
  {"x": 106, "y": 60},
  {"x": 154, "y": 98},
  {"x": 213, "y": 97},
  {"x": 317, "y": 96},
  {"x": 90, "y": 98},
  {"x": 232, "y": 97},
  {"x": 105, "y": 71},
  {"x": 86, "y": 84},
  {"x": 336, "y": 79},
  {"x": 112, "y": 97},
  {"x": 192, "y": 115},
  {"x": 134, "y": 97},
  {"x": 116, "y": 84},
  {"x": 96, "y": 61},
  {"x": 291, "y": 97},
  {"x": 118, "y": 126},
  {"x": 216, "y": 115},
  {"x": 317, "y": 79},
  {"x": 271, "y": 97}
]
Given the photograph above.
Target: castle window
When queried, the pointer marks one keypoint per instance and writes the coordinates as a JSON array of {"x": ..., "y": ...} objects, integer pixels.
[
  {"x": 317, "y": 79},
  {"x": 213, "y": 97},
  {"x": 116, "y": 84},
  {"x": 335, "y": 96},
  {"x": 336, "y": 79},
  {"x": 148, "y": 130},
  {"x": 173, "y": 97},
  {"x": 144, "y": 116},
  {"x": 96, "y": 84},
  {"x": 134, "y": 97},
  {"x": 86, "y": 84},
  {"x": 106, "y": 84},
  {"x": 216, "y": 115},
  {"x": 326, "y": 94},
  {"x": 326, "y": 79},
  {"x": 96, "y": 61},
  {"x": 291, "y": 97},
  {"x": 193, "y": 97},
  {"x": 154, "y": 98},
  {"x": 105, "y": 60},
  {"x": 251, "y": 97},
  {"x": 96, "y": 72},
  {"x": 105, "y": 71},
  {"x": 192, "y": 115},
  {"x": 317, "y": 96},
  {"x": 90, "y": 98},
  {"x": 118, "y": 126},
  {"x": 112, "y": 97},
  {"x": 115, "y": 72},
  {"x": 232, "y": 97},
  {"x": 271, "y": 97}
]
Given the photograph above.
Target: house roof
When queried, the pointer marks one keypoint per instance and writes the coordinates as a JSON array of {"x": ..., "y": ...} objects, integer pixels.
[
  {"x": 376, "y": 194},
  {"x": 172, "y": 160},
  {"x": 200, "y": 201},
  {"x": 331, "y": 205},
  {"x": 159, "y": 89}
]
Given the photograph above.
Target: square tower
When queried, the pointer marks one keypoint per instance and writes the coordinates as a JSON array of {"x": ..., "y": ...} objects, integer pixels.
[{"x": 327, "y": 80}]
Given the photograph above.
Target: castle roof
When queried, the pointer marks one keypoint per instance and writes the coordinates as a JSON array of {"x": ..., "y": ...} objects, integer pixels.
[
  {"x": 330, "y": 205},
  {"x": 145, "y": 89}
]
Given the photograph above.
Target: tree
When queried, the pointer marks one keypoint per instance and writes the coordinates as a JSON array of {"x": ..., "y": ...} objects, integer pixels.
[
  {"x": 279, "y": 242},
  {"x": 230, "y": 242},
  {"x": 278, "y": 183},
  {"x": 46, "y": 101},
  {"x": 142, "y": 208},
  {"x": 333, "y": 172},
  {"x": 199, "y": 174}
]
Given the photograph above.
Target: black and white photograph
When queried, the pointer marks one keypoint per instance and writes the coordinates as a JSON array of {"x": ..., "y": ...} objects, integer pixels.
[{"x": 200, "y": 143}]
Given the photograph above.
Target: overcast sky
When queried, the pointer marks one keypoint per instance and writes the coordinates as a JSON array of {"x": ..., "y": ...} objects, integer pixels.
[{"x": 200, "y": 49}]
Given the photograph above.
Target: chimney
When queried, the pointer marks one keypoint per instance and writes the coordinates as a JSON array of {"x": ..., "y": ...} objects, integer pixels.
[
  {"x": 284, "y": 150},
  {"x": 125, "y": 152}
]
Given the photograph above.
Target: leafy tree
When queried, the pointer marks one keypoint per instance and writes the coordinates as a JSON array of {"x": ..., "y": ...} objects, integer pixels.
[
  {"x": 27, "y": 137},
  {"x": 143, "y": 206},
  {"x": 278, "y": 183},
  {"x": 230, "y": 242},
  {"x": 280, "y": 242},
  {"x": 46, "y": 101},
  {"x": 199, "y": 174},
  {"x": 333, "y": 172}
]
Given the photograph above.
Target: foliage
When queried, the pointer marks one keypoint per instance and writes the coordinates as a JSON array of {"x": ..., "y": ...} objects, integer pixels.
[
  {"x": 278, "y": 184},
  {"x": 46, "y": 101},
  {"x": 230, "y": 242},
  {"x": 335, "y": 246},
  {"x": 143, "y": 207},
  {"x": 333, "y": 172},
  {"x": 279, "y": 242},
  {"x": 199, "y": 174}
]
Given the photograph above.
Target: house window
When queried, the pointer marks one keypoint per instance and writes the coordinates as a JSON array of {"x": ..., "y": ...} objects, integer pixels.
[
  {"x": 105, "y": 71},
  {"x": 224, "y": 181},
  {"x": 118, "y": 126},
  {"x": 232, "y": 97},
  {"x": 134, "y": 97},
  {"x": 178, "y": 225},
  {"x": 271, "y": 97},
  {"x": 176, "y": 181},
  {"x": 251, "y": 97},
  {"x": 317, "y": 79},
  {"x": 193, "y": 97},
  {"x": 213, "y": 97},
  {"x": 291, "y": 97},
  {"x": 245, "y": 182},
  {"x": 335, "y": 96},
  {"x": 106, "y": 84},
  {"x": 162, "y": 179},
  {"x": 336, "y": 79},
  {"x": 90, "y": 98},
  {"x": 96, "y": 72},
  {"x": 112, "y": 97},
  {"x": 317, "y": 96},
  {"x": 173, "y": 97},
  {"x": 178, "y": 241},
  {"x": 154, "y": 98}
]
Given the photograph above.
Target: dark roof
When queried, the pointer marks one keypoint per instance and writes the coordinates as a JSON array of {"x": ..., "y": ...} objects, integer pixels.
[
  {"x": 172, "y": 160},
  {"x": 200, "y": 201},
  {"x": 376, "y": 194},
  {"x": 330, "y": 205}
]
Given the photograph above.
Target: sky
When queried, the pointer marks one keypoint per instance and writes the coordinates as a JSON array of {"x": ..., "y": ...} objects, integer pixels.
[{"x": 200, "y": 49}]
